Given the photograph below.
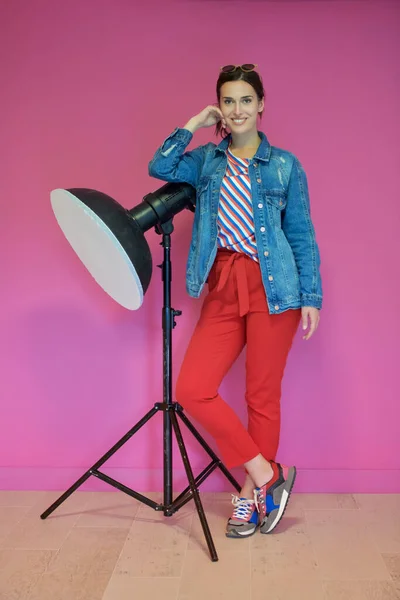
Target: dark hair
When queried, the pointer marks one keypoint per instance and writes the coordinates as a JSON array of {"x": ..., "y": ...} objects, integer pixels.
[{"x": 251, "y": 77}]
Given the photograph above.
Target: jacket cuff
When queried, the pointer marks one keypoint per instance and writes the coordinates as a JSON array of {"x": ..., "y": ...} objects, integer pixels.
[
  {"x": 314, "y": 300},
  {"x": 180, "y": 134}
]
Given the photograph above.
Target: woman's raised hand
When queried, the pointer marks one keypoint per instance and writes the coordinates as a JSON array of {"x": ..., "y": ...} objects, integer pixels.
[{"x": 208, "y": 117}]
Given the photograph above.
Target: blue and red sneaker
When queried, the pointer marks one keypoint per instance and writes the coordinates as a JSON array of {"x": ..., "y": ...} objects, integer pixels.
[
  {"x": 271, "y": 499},
  {"x": 244, "y": 519}
]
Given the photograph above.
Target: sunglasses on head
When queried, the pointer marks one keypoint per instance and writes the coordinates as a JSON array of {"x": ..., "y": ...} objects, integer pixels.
[{"x": 246, "y": 68}]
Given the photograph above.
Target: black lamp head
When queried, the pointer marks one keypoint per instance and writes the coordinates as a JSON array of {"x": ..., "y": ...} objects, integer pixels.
[{"x": 109, "y": 239}]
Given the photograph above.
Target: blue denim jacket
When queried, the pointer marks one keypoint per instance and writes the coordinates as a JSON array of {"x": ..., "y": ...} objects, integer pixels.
[{"x": 287, "y": 249}]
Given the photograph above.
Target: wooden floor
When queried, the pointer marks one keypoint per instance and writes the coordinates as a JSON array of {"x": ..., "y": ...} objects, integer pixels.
[{"x": 106, "y": 546}]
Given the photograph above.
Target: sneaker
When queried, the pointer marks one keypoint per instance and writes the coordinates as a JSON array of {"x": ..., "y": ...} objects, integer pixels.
[
  {"x": 271, "y": 499},
  {"x": 244, "y": 519}
]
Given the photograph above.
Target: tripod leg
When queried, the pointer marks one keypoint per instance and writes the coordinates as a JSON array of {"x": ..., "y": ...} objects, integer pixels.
[
  {"x": 195, "y": 492},
  {"x": 209, "y": 450},
  {"x": 98, "y": 464}
]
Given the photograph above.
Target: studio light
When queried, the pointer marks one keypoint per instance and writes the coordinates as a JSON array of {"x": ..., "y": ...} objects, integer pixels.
[{"x": 110, "y": 242}]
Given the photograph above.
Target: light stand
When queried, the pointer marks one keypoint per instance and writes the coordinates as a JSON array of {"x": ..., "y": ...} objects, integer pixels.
[{"x": 171, "y": 411}]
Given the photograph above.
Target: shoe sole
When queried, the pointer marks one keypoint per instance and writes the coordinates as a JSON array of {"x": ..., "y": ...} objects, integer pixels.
[
  {"x": 276, "y": 515},
  {"x": 234, "y": 535}
]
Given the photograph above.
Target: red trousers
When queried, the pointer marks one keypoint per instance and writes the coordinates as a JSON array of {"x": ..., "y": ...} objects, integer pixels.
[{"x": 235, "y": 314}]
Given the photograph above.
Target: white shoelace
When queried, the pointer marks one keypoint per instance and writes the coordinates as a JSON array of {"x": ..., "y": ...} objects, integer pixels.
[
  {"x": 258, "y": 499},
  {"x": 243, "y": 508}
]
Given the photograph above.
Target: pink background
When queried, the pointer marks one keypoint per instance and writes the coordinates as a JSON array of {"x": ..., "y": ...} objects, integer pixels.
[{"x": 89, "y": 90}]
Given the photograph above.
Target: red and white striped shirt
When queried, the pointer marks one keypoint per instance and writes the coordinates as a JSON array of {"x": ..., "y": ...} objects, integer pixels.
[{"x": 235, "y": 215}]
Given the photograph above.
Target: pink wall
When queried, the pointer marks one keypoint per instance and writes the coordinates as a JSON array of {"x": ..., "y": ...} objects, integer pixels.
[{"x": 89, "y": 90}]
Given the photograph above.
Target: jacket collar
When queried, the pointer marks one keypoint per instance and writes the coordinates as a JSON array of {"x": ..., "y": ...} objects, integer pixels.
[{"x": 263, "y": 151}]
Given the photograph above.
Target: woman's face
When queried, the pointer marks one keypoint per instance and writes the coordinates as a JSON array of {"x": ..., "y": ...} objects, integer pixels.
[{"x": 240, "y": 106}]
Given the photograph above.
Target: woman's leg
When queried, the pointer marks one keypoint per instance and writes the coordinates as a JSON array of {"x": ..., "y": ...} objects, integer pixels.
[
  {"x": 269, "y": 339},
  {"x": 217, "y": 341}
]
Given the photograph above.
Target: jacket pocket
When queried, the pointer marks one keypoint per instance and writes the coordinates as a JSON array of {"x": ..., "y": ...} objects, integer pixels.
[
  {"x": 276, "y": 203},
  {"x": 289, "y": 266}
]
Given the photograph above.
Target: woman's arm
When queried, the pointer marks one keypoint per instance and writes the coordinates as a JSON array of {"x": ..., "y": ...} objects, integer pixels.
[
  {"x": 299, "y": 231},
  {"x": 171, "y": 162}
]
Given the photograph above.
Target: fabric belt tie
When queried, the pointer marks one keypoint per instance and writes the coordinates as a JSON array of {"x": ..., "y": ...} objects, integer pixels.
[{"x": 236, "y": 262}]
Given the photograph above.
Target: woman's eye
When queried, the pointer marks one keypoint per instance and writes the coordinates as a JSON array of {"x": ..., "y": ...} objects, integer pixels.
[{"x": 245, "y": 100}]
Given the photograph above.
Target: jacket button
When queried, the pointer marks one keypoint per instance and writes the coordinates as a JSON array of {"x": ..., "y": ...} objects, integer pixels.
[
  {"x": 266, "y": 253},
  {"x": 260, "y": 205},
  {"x": 258, "y": 180},
  {"x": 256, "y": 165},
  {"x": 270, "y": 278},
  {"x": 262, "y": 229},
  {"x": 276, "y": 307}
]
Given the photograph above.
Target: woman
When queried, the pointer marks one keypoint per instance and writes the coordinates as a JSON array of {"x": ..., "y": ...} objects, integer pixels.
[{"x": 254, "y": 243}]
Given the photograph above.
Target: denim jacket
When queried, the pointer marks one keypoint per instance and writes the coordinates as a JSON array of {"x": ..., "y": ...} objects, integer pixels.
[{"x": 287, "y": 249}]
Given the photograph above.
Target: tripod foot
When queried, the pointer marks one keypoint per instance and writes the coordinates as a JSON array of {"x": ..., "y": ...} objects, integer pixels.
[{"x": 193, "y": 488}]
